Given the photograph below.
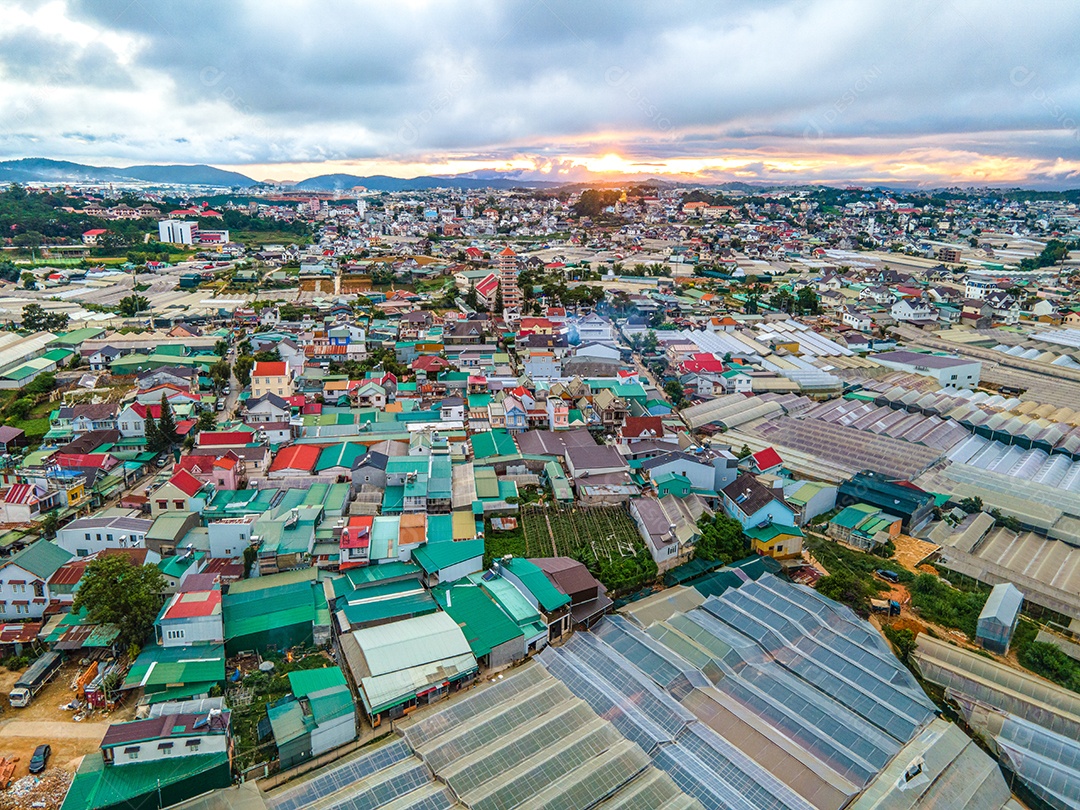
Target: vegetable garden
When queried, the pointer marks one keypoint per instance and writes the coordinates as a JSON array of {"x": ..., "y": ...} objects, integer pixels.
[{"x": 605, "y": 538}]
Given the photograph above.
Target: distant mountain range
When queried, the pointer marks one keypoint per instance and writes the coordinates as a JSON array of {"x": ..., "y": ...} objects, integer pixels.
[
  {"x": 43, "y": 170},
  {"x": 382, "y": 182}
]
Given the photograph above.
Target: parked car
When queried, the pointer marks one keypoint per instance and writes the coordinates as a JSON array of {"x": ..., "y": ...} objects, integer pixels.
[
  {"x": 40, "y": 758},
  {"x": 162, "y": 461},
  {"x": 886, "y": 574}
]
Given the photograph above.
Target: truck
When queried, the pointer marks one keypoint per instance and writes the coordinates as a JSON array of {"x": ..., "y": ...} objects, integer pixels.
[
  {"x": 890, "y": 606},
  {"x": 32, "y": 681}
]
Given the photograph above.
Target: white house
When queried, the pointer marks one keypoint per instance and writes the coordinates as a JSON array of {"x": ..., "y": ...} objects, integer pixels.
[
  {"x": 190, "y": 618},
  {"x": 229, "y": 537},
  {"x": 908, "y": 310},
  {"x": 166, "y": 737},
  {"x": 24, "y": 588},
  {"x": 752, "y": 503},
  {"x": 857, "y": 319},
  {"x": 90, "y": 535}
]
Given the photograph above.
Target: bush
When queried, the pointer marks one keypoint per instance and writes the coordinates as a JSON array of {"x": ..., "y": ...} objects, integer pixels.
[
  {"x": 848, "y": 588},
  {"x": 1050, "y": 662},
  {"x": 903, "y": 640},
  {"x": 943, "y": 604}
]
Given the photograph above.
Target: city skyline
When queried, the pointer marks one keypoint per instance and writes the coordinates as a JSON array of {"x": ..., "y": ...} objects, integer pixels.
[{"x": 826, "y": 92}]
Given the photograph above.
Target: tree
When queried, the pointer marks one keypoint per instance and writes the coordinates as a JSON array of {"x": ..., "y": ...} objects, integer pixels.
[
  {"x": 207, "y": 421},
  {"x": 221, "y": 348},
  {"x": 674, "y": 389},
  {"x": 154, "y": 441},
  {"x": 8, "y": 271},
  {"x": 783, "y": 301},
  {"x": 903, "y": 640},
  {"x": 972, "y": 505},
  {"x": 131, "y": 305},
  {"x": 221, "y": 372},
  {"x": 167, "y": 424},
  {"x": 36, "y": 319},
  {"x": 744, "y": 451},
  {"x": 807, "y": 303},
  {"x": 29, "y": 281},
  {"x": 472, "y": 301},
  {"x": 649, "y": 343},
  {"x": 242, "y": 369},
  {"x": 115, "y": 591},
  {"x": 722, "y": 539}
]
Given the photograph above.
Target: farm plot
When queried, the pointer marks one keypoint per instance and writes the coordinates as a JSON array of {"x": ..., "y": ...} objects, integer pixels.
[{"x": 605, "y": 538}]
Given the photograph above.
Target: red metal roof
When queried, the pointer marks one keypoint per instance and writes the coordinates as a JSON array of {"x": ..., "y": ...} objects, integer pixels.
[
  {"x": 186, "y": 483},
  {"x": 198, "y": 603},
  {"x": 297, "y": 457},
  {"x": 264, "y": 369},
  {"x": 225, "y": 438},
  {"x": 767, "y": 459}
]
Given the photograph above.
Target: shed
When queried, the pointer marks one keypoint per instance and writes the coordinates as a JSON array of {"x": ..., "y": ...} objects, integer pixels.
[{"x": 999, "y": 617}]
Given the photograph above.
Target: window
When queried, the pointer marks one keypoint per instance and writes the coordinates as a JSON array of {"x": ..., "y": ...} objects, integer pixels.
[
  {"x": 165, "y": 748},
  {"x": 82, "y": 552},
  {"x": 162, "y": 504},
  {"x": 108, "y": 538},
  {"x": 132, "y": 753},
  {"x": 179, "y": 504},
  {"x": 39, "y": 589},
  {"x": 193, "y": 744},
  {"x": 21, "y": 608},
  {"x": 20, "y": 588},
  {"x": 87, "y": 536}
]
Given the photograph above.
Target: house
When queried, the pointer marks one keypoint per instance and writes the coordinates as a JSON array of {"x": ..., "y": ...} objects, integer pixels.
[
  {"x": 541, "y": 364},
  {"x": 809, "y": 499},
  {"x": 736, "y": 381},
  {"x": 408, "y": 663},
  {"x": 913, "y": 310},
  {"x": 588, "y": 597},
  {"x": 93, "y": 236},
  {"x": 269, "y": 408},
  {"x": 24, "y": 576},
  {"x": 271, "y": 378},
  {"x": 191, "y": 617},
  {"x": 447, "y": 562},
  {"x": 355, "y": 542},
  {"x": 532, "y": 583},
  {"x": 24, "y": 503},
  {"x": 87, "y": 417},
  {"x": 949, "y": 370},
  {"x": 130, "y": 769},
  {"x": 558, "y": 413},
  {"x": 766, "y": 460},
  {"x": 638, "y": 429},
  {"x": 857, "y": 319},
  {"x": 178, "y": 494},
  {"x": 86, "y": 536},
  {"x": 863, "y": 526},
  {"x": 317, "y": 717},
  {"x": 777, "y": 541},
  {"x": 752, "y": 503},
  {"x": 669, "y": 526}
]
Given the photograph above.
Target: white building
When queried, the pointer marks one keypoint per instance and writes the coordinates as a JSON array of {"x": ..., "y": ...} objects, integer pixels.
[
  {"x": 178, "y": 232},
  {"x": 908, "y": 310},
  {"x": 166, "y": 737},
  {"x": 979, "y": 287},
  {"x": 191, "y": 617},
  {"x": 24, "y": 589},
  {"x": 947, "y": 369},
  {"x": 229, "y": 537},
  {"x": 87, "y": 536}
]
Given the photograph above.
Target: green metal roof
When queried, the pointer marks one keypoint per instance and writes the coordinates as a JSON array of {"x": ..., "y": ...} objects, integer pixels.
[
  {"x": 434, "y": 557},
  {"x": 287, "y": 721},
  {"x": 852, "y": 516},
  {"x": 303, "y": 682},
  {"x": 40, "y": 558},
  {"x": 764, "y": 534},
  {"x": 483, "y": 622},
  {"x": 492, "y": 443},
  {"x": 370, "y": 574},
  {"x": 97, "y": 785},
  {"x": 158, "y": 668},
  {"x": 538, "y": 584},
  {"x": 381, "y": 610}
]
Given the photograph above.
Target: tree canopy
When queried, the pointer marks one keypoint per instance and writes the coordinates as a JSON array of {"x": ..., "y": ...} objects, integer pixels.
[{"x": 116, "y": 591}]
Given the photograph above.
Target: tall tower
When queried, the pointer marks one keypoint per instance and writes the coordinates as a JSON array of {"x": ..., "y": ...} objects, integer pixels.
[{"x": 507, "y": 265}]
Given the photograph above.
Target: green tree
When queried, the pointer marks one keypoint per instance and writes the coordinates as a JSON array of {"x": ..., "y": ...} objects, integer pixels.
[
  {"x": 131, "y": 305},
  {"x": 36, "y": 319},
  {"x": 744, "y": 451},
  {"x": 674, "y": 390},
  {"x": 8, "y": 271},
  {"x": 783, "y": 301},
  {"x": 807, "y": 303},
  {"x": 242, "y": 369},
  {"x": 20, "y": 408},
  {"x": 206, "y": 421},
  {"x": 29, "y": 281},
  {"x": 903, "y": 641},
  {"x": 167, "y": 424},
  {"x": 221, "y": 348},
  {"x": 649, "y": 343},
  {"x": 221, "y": 372},
  {"x": 115, "y": 591},
  {"x": 154, "y": 442},
  {"x": 972, "y": 505},
  {"x": 722, "y": 539},
  {"x": 472, "y": 300}
]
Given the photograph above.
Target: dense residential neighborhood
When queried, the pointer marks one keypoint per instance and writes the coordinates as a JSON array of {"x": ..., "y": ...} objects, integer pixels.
[{"x": 643, "y": 496}]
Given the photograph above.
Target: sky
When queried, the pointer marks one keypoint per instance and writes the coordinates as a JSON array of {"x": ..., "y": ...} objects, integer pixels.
[{"x": 918, "y": 93}]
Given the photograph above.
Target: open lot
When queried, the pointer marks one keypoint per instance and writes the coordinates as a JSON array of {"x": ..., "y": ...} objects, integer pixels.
[{"x": 43, "y": 721}]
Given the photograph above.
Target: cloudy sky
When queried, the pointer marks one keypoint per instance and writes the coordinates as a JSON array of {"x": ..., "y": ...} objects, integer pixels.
[{"x": 934, "y": 93}]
